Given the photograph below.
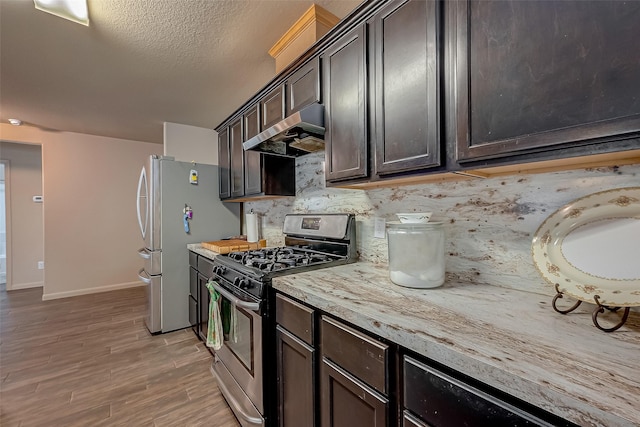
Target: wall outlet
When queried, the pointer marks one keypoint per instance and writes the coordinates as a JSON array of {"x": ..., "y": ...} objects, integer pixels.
[{"x": 40, "y": 265}]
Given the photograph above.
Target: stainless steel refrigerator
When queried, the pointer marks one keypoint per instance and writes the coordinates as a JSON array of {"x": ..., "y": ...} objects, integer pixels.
[{"x": 178, "y": 203}]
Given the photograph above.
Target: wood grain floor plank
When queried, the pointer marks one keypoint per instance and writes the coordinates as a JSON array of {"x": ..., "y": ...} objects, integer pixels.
[{"x": 89, "y": 361}]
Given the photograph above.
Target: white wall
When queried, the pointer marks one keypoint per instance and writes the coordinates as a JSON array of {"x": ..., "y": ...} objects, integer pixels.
[
  {"x": 91, "y": 234},
  {"x": 190, "y": 143}
]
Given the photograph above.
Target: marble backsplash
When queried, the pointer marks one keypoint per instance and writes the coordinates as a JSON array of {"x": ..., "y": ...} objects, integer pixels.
[{"x": 489, "y": 222}]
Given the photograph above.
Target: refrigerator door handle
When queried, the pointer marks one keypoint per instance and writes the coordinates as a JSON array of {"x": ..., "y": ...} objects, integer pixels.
[
  {"x": 144, "y": 253},
  {"x": 142, "y": 186},
  {"x": 143, "y": 276}
]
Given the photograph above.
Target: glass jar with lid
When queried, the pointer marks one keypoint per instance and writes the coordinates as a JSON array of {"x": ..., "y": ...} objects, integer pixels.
[{"x": 416, "y": 254}]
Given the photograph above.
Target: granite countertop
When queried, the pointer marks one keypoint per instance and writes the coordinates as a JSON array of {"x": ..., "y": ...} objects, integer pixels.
[
  {"x": 509, "y": 339},
  {"x": 197, "y": 248}
]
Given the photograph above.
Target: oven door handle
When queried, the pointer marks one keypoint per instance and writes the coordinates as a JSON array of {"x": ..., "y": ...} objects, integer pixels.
[{"x": 253, "y": 306}]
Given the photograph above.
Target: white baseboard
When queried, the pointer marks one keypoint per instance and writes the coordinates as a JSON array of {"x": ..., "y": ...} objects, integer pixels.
[
  {"x": 105, "y": 288},
  {"x": 16, "y": 286}
]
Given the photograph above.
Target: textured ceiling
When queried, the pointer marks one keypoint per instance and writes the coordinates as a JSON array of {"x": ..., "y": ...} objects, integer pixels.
[{"x": 140, "y": 62}]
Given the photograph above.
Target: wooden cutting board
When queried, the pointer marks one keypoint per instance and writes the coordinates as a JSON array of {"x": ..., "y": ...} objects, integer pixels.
[{"x": 226, "y": 246}]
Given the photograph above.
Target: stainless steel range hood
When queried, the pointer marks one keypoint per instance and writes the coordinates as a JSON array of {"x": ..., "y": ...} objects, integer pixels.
[{"x": 300, "y": 133}]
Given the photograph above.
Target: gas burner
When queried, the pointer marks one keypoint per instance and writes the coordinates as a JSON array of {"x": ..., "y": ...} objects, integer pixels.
[
  {"x": 236, "y": 255},
  {"x": 289, "y": 262},
  {"x": 255, "y": 261}
]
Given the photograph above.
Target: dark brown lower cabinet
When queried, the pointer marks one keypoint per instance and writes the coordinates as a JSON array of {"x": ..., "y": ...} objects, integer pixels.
[
  {"x": 296, "y": 363},
  {"x": 194, "y": 312},
  {"x": 354, "y": 377},
  {"x": 205, "y": 270},
  {"x": 348, "y": 402},
  {"x": 333, "y": 374},
  {"x": 295, "y": 367}
]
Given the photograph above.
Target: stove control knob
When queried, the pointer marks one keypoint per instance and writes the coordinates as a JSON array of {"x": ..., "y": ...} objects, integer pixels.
[{"x": 245, "y": 284}]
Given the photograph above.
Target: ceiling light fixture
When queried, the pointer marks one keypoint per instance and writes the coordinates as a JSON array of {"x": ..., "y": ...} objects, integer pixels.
[
  {"x": 15, "y": 122},
  {"x": 73, "y": 10}
]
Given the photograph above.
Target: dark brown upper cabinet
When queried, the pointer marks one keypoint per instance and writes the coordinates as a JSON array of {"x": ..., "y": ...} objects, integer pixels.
[
  {"x": 345, "y": 100},
  {"x": 533, "y": 76},
  {"x": 303, "y": 86},
  {"x": 237, "y": 158},
  {"x": 382, "y": 94},
  {"x": 414, "y": 87},
  {"x": 252, "y": 159},
  {"x": 224, "y": 162},
  {"x": 405, "y": 83},
  {"x": 272, "y": 107}
]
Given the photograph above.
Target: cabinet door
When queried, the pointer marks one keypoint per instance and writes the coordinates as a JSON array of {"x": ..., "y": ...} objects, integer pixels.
[
  {"x": 194, "y": 295},
  {"x": 203, "y": 303},
  {"x": 193, "y": 282},
  {"x": 345, "y": 94},
  {"x": 405, "y": 83},
  {"x": 348, "y": 402},
  {"x": 539, "y": 75},
  {"x": 237, "y": 158},
  {"x": 303, "y": 87},
  {"x": 224, "y": 163},
  {"x": 252, "y": 159},
  {"x": 272, "y": 107},
  {"x": 296, "y": 383},
  {"x": 193, "y": 314}
]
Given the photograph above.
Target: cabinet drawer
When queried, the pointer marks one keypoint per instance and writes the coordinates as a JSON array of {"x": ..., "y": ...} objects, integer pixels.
[
  {"x": 205, "y": 267},
  {"x": 193, "y": 282},
  {"x": 295, "y": 317},
  {"x": 361, "y": 355},
  {"x": 409, "y": 420},
  {"x": 193, "y": 259}
]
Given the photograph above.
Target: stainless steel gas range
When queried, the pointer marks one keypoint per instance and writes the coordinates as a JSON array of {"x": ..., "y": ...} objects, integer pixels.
[{"x": 243, "y": 280}]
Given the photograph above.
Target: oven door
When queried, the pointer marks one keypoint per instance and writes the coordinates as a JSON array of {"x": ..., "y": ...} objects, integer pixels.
[{"x": 238, "y": 363}]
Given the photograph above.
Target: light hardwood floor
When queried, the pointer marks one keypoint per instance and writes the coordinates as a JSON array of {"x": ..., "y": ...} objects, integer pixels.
[{"x": 90, "y": 361}]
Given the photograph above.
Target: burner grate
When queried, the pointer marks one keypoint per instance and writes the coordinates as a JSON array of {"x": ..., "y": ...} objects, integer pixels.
[{"x": 274, "y": 259}]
